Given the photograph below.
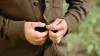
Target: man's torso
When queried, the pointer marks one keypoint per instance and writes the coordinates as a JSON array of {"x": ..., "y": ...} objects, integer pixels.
[{"x": 19, "y": 10}]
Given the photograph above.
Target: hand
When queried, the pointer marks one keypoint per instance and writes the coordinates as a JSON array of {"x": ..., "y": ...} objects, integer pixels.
[
  {"x": 61, "y": 26},
  {"x": 33, "y": 36}
]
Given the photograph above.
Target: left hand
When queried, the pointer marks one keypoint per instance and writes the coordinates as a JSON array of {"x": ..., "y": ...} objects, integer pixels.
[{"x": 61, "y": 26}]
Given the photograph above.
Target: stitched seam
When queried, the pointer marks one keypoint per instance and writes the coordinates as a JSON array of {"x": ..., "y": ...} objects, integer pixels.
[{"x": 33, "y": 9}]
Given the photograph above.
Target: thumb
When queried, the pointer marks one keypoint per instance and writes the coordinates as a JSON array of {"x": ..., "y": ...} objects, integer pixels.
[
  {"x": 38, "y": 24},
  {"x": 54, "y": 24}
]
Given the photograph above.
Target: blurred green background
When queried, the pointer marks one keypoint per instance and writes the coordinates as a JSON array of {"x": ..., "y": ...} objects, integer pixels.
[{"x": 87, "y": 37}]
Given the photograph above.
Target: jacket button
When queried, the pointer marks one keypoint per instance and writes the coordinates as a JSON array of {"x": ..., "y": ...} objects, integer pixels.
[{"x": 36, "y": 3}]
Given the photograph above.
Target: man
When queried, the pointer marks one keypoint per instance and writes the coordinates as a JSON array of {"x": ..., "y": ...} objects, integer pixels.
[{"x": 20, "y": 18}]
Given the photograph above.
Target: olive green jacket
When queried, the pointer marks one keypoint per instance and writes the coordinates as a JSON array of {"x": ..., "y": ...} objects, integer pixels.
[{"x": 13, "y": 14}]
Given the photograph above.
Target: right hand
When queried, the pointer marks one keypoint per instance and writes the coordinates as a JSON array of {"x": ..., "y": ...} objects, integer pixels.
[{"x": 33, "y": 36}]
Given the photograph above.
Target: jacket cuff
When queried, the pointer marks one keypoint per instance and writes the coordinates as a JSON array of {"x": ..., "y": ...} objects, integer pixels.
[
  {"x": 72, "y": 23},
  {"x": 15, "y": 30}
]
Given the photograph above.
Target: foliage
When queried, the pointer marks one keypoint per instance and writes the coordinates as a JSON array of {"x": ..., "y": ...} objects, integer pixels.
[{"x": 87, "y": 38}]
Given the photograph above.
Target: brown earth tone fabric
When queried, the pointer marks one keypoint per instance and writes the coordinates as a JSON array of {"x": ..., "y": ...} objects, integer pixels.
[{"x": 13, "y": 14}]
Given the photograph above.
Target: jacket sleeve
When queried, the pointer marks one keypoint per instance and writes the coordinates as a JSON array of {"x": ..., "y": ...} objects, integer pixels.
[
  {"x": 10, "y": 29},
  {"x": 77, "y": 11}
]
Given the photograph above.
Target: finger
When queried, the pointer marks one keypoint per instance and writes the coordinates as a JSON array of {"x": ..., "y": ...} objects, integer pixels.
[
  {"x": 52, "y": 25},
  {"x": 51, "y": 38},
  {"x": 56, "y": 35},
  {"x": 52, "y": 35},
  {"x": 41, "y": 39},
  {"x": 40, "y": 42},
  {"x": 57, "y": 21},
  {"x": 57, "y": 40},
  {"x": 41, "y": 34},
  {"x": 61, "y": 33},
  {"x": 38, "y": 24},
  {"x": 59, "y": 26}
]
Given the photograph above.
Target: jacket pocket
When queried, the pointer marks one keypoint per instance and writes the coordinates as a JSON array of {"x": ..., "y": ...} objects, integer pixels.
[{"x": 57, "y": 3}]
